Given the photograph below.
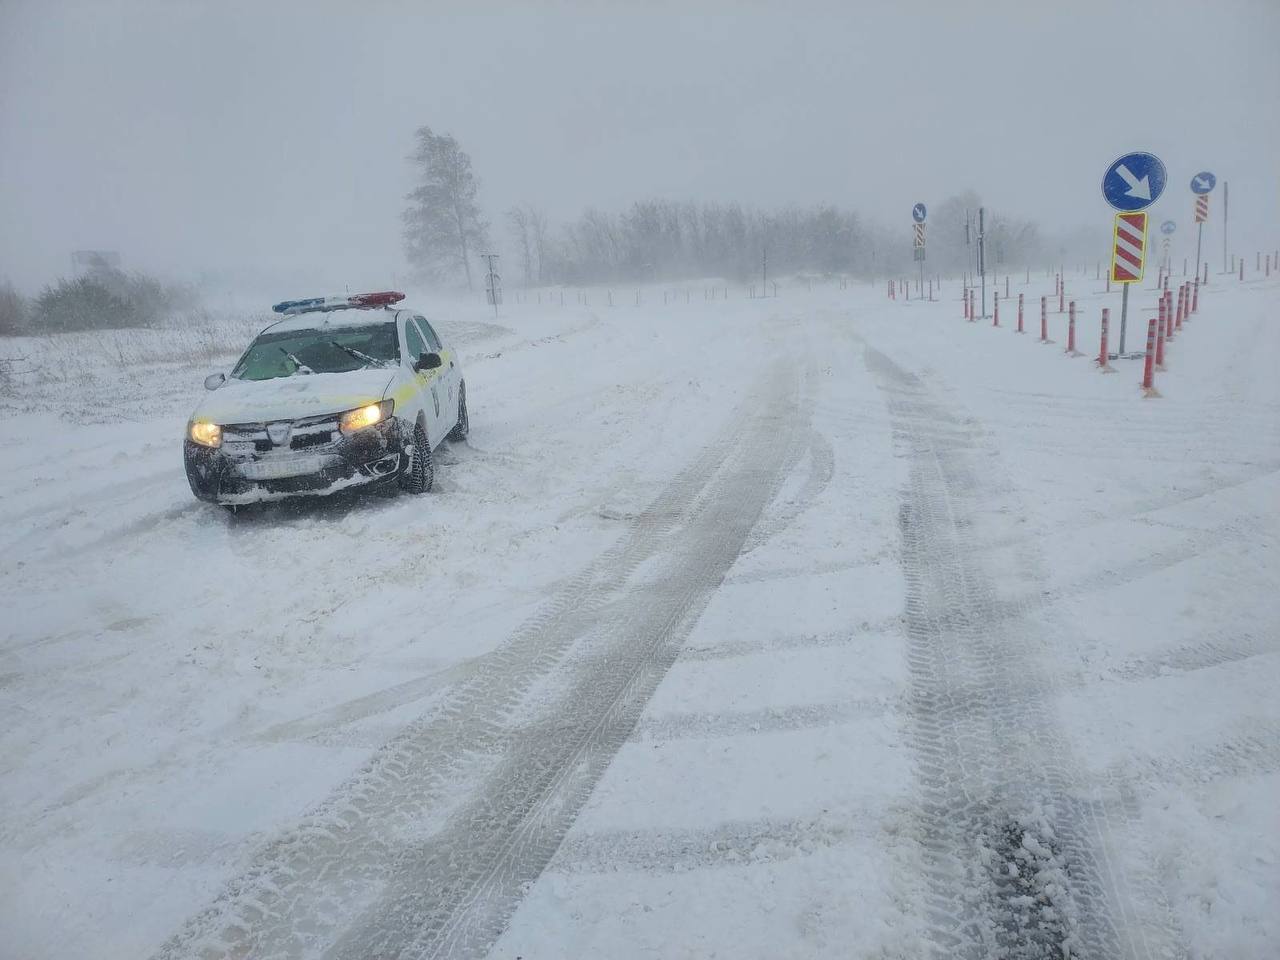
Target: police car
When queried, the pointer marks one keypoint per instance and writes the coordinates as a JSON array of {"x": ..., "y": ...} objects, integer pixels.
[{"x": 339, "y": 393}]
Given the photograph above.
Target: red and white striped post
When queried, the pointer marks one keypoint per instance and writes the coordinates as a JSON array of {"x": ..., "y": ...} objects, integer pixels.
[
  {"x": 1071, "y": 350},
  {"x": 1182, "y": 306},
  {"x": 1104, "y": 356},
  {"x": 1148, "y": 366},
  {"x": 1044, "y": 320},
  {"x": 1062, "y": 296},
  {"x": 1020, "y": 330},
  {"x": 1195, "y": 296},
  {"x": 1160, "y": 327},
  {"x": 1168, "y": 316},
  {"x": 995, "y": 311}
]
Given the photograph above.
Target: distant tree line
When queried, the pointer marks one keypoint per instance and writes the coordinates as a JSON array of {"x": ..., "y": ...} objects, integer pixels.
[{"x": 667, "y": 240}]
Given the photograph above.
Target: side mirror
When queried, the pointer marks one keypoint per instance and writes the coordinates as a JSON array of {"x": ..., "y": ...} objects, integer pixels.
[
  {"x": 428, "y": 361},
  {"x": 214, "y": 380}
]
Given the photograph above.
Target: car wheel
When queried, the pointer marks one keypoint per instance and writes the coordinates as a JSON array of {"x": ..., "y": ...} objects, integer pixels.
[
  {"x": 421, "y": 471},
  {"x": 463, "y": 426}
]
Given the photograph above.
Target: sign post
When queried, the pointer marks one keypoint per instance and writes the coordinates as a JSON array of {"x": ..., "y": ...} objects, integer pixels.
[
  {"x": 1131, "y": 184},
  {"x": 1202, "y": 185},
  {"x": 918, "y": 214}
]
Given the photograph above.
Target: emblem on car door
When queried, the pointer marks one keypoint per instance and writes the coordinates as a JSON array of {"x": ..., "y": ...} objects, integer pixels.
[{"x": 279, "y": 433}]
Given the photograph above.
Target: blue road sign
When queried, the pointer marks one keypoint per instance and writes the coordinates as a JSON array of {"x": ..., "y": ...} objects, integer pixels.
[
  {"x": 1134, "y": 182},
  {"x": 1203, "y": 182},
  {"x": 1168, "y": 227},
  {"x": 918, "y": 213}
]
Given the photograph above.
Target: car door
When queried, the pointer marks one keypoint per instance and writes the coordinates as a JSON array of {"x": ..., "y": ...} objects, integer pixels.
[
  {"x": 427, "y": 393},
  {"x": 441, "y": 413},
  {"x": 450, "y": 374}
]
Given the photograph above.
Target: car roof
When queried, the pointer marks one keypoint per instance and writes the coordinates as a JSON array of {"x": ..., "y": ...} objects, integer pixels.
[{"x": 333, "y": 319}]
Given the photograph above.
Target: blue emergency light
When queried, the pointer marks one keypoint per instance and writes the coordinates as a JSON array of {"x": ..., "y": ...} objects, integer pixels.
[{"x": 359, "y": 301}]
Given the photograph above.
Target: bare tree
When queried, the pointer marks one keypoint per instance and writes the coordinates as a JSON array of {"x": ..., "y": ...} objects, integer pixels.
[{"x": 443, "y": 224}]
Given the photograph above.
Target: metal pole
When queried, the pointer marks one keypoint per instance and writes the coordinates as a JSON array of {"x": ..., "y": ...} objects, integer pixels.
[
  {"x": 982, "y": 257},
  {"x": 1124, "y": 315},
  {"x": 1199, "y": 237},
  {"x": 1224, "y": 225}
]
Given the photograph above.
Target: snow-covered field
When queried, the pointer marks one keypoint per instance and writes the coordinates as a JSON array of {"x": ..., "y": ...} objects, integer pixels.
[{"x": 818, "y": 626}]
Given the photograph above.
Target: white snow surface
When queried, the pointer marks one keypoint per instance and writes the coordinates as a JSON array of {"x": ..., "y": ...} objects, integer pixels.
[{"x": 759, "y": 519}]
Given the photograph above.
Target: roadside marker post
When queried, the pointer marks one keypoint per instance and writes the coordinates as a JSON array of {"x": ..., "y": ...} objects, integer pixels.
[
  {"x": 1195, "y": 296},
  {"x": 1168, "y": 316},
  {"x": 1148, "y": 367},
  {"x": 1104, "y": 357},
  {"x": 995, "y": 310},
  {"x": 1202, "y": 185},
  {"x": 1020, "y": 330},
  {"x": 1160, "y": 326},
  {"x": 1044, "y": 320},
  {"x": 1071, "y": 350}
]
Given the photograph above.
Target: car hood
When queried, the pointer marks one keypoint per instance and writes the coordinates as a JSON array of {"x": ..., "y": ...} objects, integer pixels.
[{"x": 293, "y": 398}]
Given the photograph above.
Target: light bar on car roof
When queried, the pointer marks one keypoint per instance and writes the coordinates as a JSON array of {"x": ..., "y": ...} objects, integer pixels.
[{"x": 359, "y": 301}]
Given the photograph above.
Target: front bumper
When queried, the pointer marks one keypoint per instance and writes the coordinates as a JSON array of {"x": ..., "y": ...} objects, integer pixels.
[{"x": 315, "y": 461}]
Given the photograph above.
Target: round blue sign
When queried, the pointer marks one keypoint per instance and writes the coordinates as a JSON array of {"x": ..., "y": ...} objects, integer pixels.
[
  {"x": 1134, "y": 181},
  {"x": 1168, "y": 227},
  {"x": 918, "y": 213},
  {"x": 1203, "y": 182}
]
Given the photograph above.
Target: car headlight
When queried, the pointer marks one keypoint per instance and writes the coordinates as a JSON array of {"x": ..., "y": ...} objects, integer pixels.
[
  {"x": 205, "y": 434},
  {"x": 366, "y": 416}
]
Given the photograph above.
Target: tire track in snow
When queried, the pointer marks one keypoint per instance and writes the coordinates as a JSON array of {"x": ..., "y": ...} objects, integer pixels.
[
  {"x": 1015, "y": 860},
  {"x": 430, "y": 849}
]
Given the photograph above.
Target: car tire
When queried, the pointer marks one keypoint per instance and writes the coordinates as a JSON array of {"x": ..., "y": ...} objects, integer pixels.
[
  {"x": 463, "y": 426},
  {"x": 421, "y": 472}
]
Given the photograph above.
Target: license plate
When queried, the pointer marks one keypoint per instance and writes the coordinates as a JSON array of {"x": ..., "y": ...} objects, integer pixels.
[{"x": 279, "y": 469}]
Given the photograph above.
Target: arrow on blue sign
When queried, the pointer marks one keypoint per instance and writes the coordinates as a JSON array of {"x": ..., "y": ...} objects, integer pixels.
[
  {"x": 1203, "y": 182},
  {"x": 1134, "y": 182},
  {"x": 918, "y": 213}
]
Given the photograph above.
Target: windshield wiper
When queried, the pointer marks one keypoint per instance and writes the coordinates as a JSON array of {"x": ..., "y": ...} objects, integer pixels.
[
  {"x": 364, "y": 358},
  {"x": 301, "y": 367}
]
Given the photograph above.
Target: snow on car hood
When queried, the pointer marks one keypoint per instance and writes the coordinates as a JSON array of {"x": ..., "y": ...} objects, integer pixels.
[{"x": 292, "y": 398}]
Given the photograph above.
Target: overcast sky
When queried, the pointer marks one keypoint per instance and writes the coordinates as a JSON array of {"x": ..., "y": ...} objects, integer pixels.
[{"x": 271, "y": 137}]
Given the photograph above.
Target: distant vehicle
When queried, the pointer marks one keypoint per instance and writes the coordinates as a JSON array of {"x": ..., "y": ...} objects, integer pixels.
[{"x": 342, "y": 392}]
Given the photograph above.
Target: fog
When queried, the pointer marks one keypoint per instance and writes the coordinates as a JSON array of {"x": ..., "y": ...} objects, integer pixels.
[{"x": 268, "y": 142}]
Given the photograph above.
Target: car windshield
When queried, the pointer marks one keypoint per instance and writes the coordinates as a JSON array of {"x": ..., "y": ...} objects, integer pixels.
[{"x": 286, "y": 353}]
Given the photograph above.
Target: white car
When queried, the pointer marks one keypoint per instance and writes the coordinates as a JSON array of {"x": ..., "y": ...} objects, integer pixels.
[{"x": 342, "y": 392}]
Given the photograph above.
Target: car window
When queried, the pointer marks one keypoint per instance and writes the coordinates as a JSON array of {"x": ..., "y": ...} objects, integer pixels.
[
  {"x": 417, "y": 345},
  {"x": 430, "y": 332},
  {"x": 340, "y": 350}
]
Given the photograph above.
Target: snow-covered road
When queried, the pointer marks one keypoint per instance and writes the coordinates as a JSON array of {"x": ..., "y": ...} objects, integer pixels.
[{"x": 821, "y": 626}]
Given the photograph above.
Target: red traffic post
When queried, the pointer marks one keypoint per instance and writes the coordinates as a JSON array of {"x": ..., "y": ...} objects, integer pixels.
[
  {"x": 1160, "y": 326},
  {"x": 1071, "y": 350},
  {"x": 1044, "y": 320},
  {"x": 1020, "y": 330},
  {"x": 1168, "y": 316},
  {"x": 1062, "y": 296},
  {"x": 1104, "y": 356},
  {"x": 1182, "y": 306},
  {"x": 1148, "y": 366},
  {"x": 1195, "y": 296}
]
